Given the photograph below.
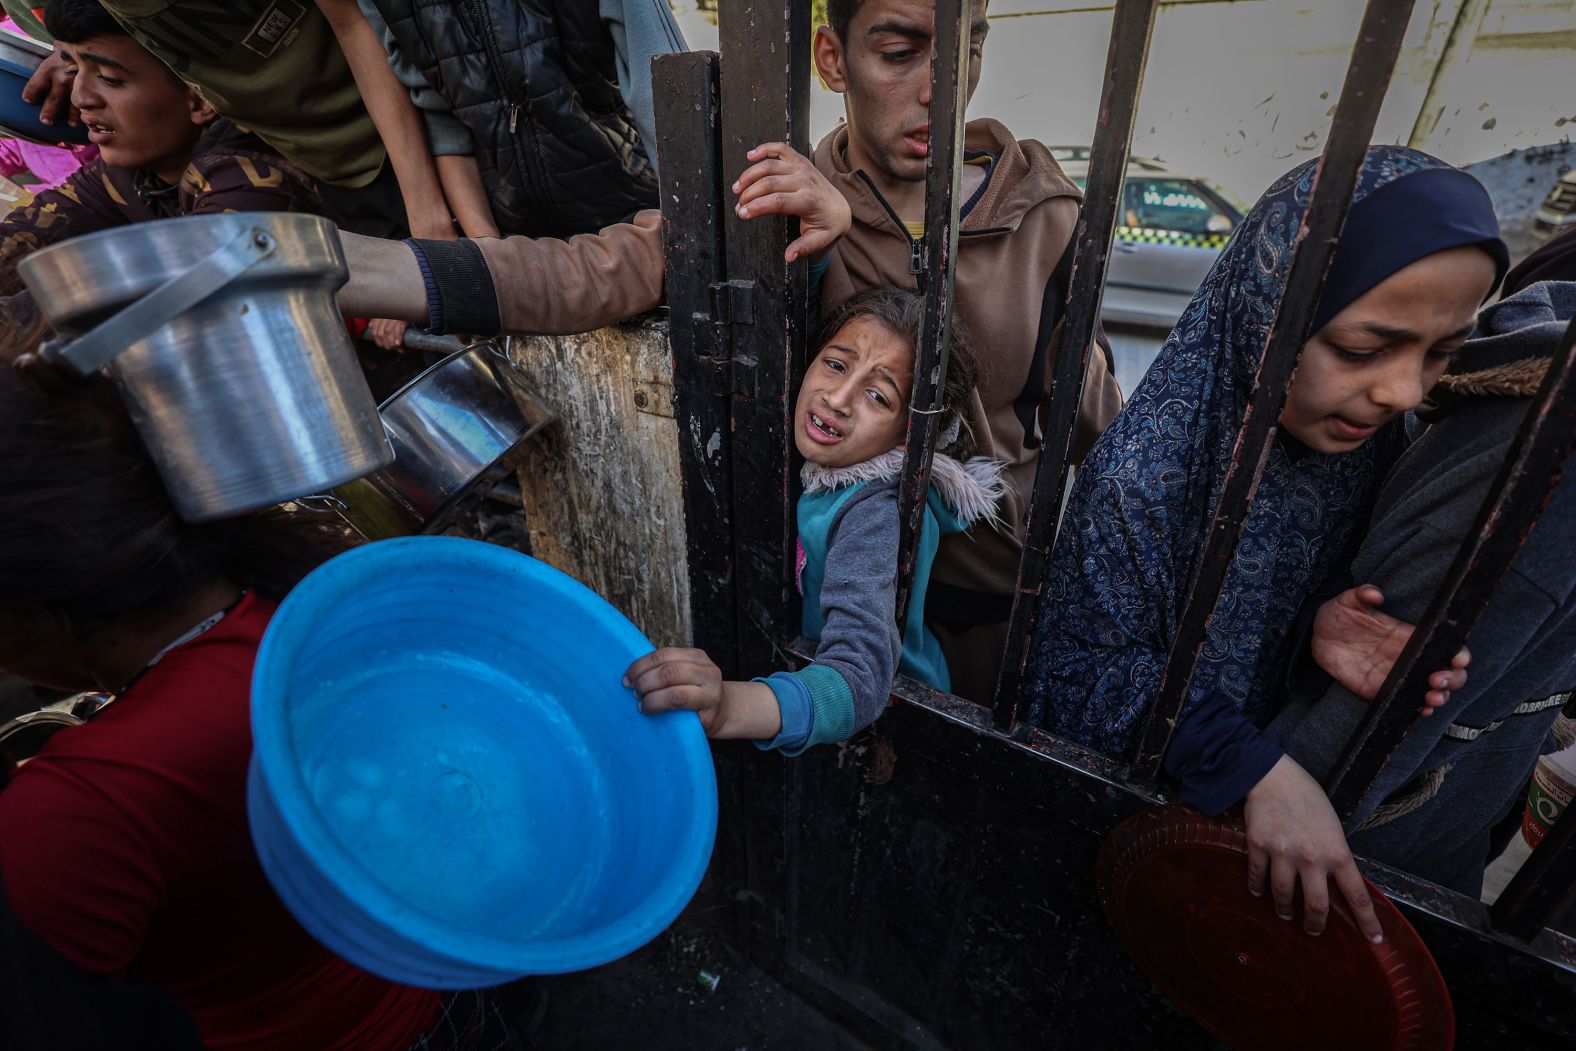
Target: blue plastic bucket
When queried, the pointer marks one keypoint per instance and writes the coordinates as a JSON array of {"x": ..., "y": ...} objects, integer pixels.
[{"x": 449, "y": 786}]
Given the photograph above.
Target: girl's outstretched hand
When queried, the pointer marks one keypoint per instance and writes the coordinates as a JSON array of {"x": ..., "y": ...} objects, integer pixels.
[
  {"x": 1357, "y": 643},
  {"x": 681, "y": 679}
]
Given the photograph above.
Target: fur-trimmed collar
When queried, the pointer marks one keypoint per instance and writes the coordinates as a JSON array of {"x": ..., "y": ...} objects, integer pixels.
[
  {"x": 1517, "y": 379},
  {"x": 1508, "y": 356},
  {"x": 972, "y": 490}
]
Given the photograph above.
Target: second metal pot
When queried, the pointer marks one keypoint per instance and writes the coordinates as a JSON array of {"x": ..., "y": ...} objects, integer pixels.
[{"x": 452, "y": 429}]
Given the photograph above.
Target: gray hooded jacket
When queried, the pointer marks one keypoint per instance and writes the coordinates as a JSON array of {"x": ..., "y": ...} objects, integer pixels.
[{"x": 1457, "y": 773}]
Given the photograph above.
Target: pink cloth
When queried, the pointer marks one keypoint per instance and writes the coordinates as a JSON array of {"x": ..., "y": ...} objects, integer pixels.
[{"x": 50, "y": 165}]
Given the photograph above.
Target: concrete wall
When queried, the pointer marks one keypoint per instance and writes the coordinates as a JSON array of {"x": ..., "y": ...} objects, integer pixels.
[{"x": 1242, "y": 90}]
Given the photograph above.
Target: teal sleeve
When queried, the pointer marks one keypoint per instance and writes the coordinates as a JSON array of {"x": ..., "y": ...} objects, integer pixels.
[
  {"x": 818, "y": 271},
  {"x": 831, "y": 708},
  {"x": 795, "y": 709}
]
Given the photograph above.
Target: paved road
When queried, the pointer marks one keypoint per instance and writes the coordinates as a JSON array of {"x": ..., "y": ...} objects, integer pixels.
[{"x": 1134, "y": 349}]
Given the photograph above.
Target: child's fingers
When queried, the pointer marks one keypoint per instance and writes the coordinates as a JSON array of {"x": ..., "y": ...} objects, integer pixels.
[
  {"x": 670, "y": 674},
  {"x": 810, "y": 244},
  {"x": 1370, "y": 595},
  {"x": 1461, "y": 659},
  {"x": 656, "y": 658},
  {"x": 779, "y": 150},
  {"x": 672, "y": 698}
]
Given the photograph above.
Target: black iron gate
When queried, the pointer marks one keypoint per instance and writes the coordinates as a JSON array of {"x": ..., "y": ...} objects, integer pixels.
[{"x": 930, "y": 882}]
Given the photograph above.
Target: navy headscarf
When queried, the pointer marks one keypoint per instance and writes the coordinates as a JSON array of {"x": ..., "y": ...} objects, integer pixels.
[{"x": 1138, "y": 516}]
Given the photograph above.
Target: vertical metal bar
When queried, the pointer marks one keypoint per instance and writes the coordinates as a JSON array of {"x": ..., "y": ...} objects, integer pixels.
[
  {"x": 689, "y": 142},
  {"x": 765, "y": 95},
  {"x": 1532, "y": 467},
  {"x": 1132, "y": 25},
  {"x": 1544, "y": 883},
  {"x": 949, "y": 70},
  {"x": 1373, "y": 61}
]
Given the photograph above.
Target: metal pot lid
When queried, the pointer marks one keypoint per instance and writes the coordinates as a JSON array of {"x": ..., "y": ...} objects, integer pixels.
[{"x": 1173, "y": 884}]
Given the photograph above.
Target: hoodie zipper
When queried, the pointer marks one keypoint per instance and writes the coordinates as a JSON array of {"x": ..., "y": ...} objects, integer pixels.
[
  {"x": 916, "y": 248},
  {"x": 917, "y": 264},
  {"x": 495, "y": 62}
]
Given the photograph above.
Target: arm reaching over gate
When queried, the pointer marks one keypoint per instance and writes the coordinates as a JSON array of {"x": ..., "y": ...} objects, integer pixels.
[{"x": 525, "y": 285}]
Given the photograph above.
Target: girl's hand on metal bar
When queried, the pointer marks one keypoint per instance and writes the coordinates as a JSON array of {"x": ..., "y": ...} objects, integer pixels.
[
  {"x": 1294, "y": 835},
  {"x": 782, "y": 181},
  {"x": 1357, "y": 643}
]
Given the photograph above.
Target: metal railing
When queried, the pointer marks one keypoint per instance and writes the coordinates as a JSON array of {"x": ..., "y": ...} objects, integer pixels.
[{"x": 738, "y": 334}]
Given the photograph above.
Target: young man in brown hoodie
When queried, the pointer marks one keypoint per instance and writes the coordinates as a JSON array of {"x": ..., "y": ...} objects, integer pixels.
[
  {"x": 1017, "y": 217},
  {"x": 861, "y": 205}
]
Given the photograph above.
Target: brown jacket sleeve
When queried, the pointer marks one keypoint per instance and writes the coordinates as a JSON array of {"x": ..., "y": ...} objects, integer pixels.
[
  {"x": 1102, "y": 400},
  {"x": 551, "y": 287}
]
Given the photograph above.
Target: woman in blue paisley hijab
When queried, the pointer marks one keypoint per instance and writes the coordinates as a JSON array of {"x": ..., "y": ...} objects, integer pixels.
[{"x": 1419, "y": 253}]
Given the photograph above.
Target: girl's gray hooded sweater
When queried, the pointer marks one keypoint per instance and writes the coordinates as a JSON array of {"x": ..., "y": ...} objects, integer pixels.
[{"x": 1457, "y": 773}]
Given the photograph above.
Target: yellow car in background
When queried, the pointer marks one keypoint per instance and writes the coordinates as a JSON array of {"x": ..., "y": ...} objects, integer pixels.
[{"x": 1169, "y": 230}]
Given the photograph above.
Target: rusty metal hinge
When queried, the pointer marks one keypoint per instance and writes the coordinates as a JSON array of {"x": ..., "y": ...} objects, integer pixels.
[{"x": 733, "y": 302}]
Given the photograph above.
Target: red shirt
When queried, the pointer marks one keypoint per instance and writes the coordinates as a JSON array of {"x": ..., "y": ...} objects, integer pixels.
[{"x": 125, "y": 844}]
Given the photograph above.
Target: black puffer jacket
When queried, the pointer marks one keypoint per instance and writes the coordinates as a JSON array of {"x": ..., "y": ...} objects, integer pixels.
[{"x": 535, "y": 81}]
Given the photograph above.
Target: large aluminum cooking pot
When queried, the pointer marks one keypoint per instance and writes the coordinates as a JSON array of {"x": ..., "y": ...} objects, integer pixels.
[
  {"x": 222, "y": 335},
  {"x": 453, "y": 429}
]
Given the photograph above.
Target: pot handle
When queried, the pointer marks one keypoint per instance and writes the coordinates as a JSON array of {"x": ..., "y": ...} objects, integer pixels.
[
  {"x": 91, "y": 351},
  {"x": 428, "y": 343}
]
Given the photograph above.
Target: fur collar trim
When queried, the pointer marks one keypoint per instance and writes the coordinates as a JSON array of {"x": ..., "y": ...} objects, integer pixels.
[
  {"x": 1515, "y": 379},
  {"x": 972, "y": 490}
]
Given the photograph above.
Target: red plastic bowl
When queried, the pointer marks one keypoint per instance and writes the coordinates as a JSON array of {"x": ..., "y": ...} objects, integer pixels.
[{"x": 1174, "y": 885}]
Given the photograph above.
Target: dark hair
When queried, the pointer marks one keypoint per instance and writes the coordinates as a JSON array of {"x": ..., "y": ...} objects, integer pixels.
[
  {"x": 73, "y": 21},
  {"x": 903, "y": 312},
  {"x": 88, "y": 535},
  {"x": 839, "y": 13}
]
